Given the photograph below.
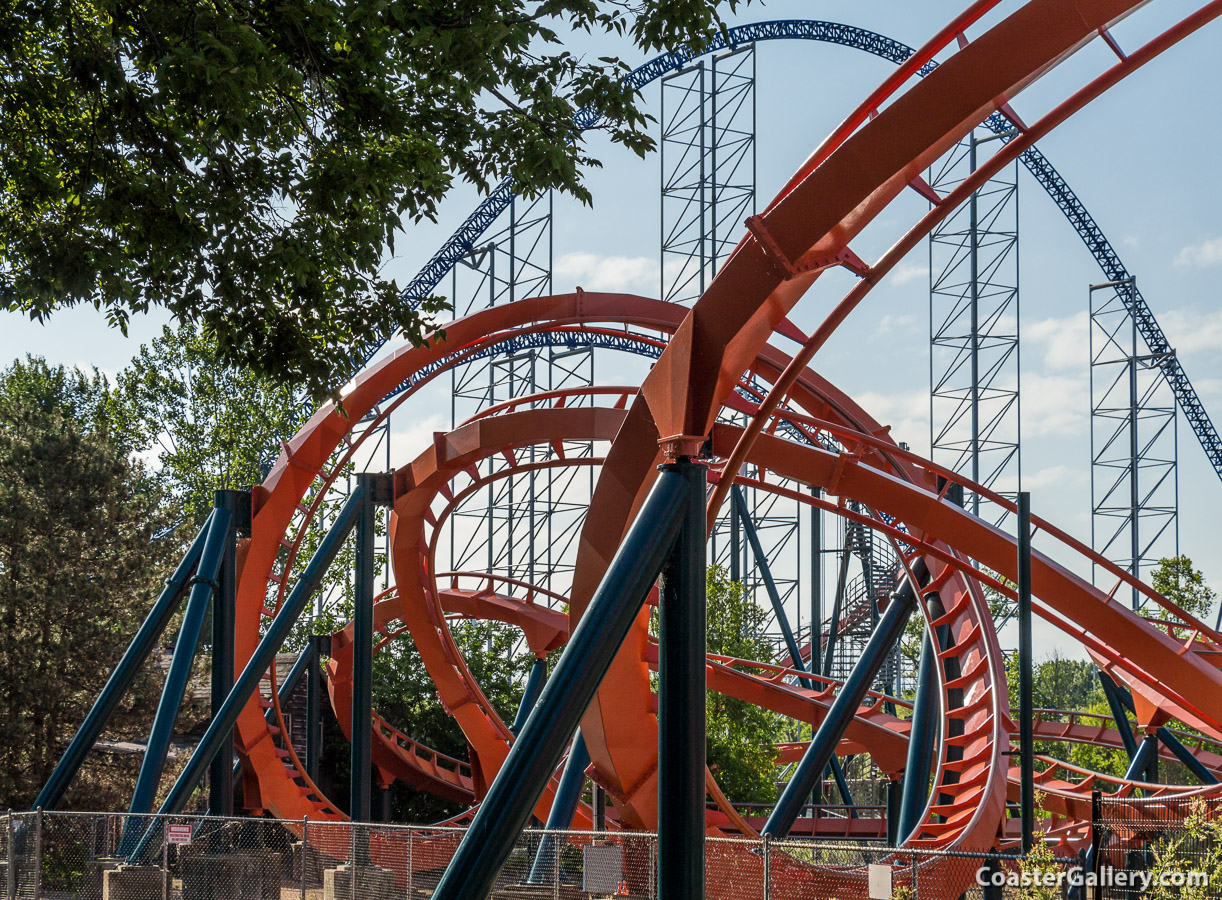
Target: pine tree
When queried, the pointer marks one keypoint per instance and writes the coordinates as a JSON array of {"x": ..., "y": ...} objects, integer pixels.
[{"x": 78, "y": 569}]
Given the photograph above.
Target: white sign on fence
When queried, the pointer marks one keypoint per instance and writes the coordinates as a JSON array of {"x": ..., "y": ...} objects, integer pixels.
[
  {"x": 880, "y": 882},
  {"x": 178, "y": 834}
]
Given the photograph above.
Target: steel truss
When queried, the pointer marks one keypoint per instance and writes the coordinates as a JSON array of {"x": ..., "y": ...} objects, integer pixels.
[
  {"x": 525, "y": 526},
  {"x": 1134, "y": 484},
  {"x": 707, "y": 157},
  {"x": 973, "y": 326},
  {"x": 333, "y": 603},
  {"x": 489, "y": 210}
]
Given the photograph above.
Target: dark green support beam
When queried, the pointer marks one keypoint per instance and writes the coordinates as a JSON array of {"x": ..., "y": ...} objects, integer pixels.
[
  {"x": 564, "y": 807},
  {"x": 314, "y": 689},
  {"x": 1026, "y": 689},
  {"x": 1184, "y": 755},
  {"x": 774, "y": 596},
  {"x": 530, "y": 695},
  {"x": 248, "y": 682},
  {"x": 1115, "y": 701},
  {"x": 681, "y": 695},
  {"x": 121, "y": 678},
  {"x": 823, "y": 745},
  {"x": 736, "y": 543},
  {"x": 377, "y": 490},
  {"x": 203, "y": 586},
  {"x": 895, "y": 789},
  {"x": 833, "y": 625},
  {"x": 925, "y": 711},
  {"x": 842, "y": 785},
  {"x": 1140, "y": 762},
  {"x": 1119, "y": 699},
  {"x": 510, "y": 800},
  {"x": 220, "y": 777}
]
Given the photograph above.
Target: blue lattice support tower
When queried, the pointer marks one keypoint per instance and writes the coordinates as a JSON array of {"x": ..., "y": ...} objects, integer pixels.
[
  {"x": 500, "y": 531},
  {"x": 1134, "y": 448},
  {"x": 708, "y": 176},
  {"x": 707, "y": 154},
  {"x": 484, "y": 216},
  {"x": 973, "y": 323}
]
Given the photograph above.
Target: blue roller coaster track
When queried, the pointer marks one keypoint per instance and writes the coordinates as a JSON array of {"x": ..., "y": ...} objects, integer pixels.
[{"x": 464, "y": 239}]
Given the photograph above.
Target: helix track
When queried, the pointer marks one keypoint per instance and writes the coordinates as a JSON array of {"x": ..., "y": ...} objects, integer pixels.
[{"x": 799, "y": 428}]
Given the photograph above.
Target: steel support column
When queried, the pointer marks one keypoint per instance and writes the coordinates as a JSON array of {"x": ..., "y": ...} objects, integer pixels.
[
  {"x": 362, "y": 660},
  {"x": 1182, "y": 753},
  {"x": 895, "y": 788},
  {"x": 121, "y": 678},
  {"x": 816, "y": 579},
  {"x": 158, "y": 745},
  {"x": 761, "y": 562},
  {"x": 600, "y": 808},
  {"x": 376, "y": 489},
  {"x": 283, "y": 692},
  {"x": 1026, "y": 702},
  {"x": 248, "y": 682},
  {"x": 1134, "y": 448},
  {"x": 530, "y": 695},
  {"x": 823, "y": 745},
  {"x": 681, "y": 698},
  {"x": 564, "y": 807},
  {"x": 314, "y": 691},
  {"x": 842, "y": 785},
  {"x": 833, "y": 625},
  {"x": 593, "y": 644},
  {"x": 220, "y": 776},
  {"x": 1146, "y": 750},
  {"x": 1115, "y": 702},
  {"x": 920, "y": 742}
]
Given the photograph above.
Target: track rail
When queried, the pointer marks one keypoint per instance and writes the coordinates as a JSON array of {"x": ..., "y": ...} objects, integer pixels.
[{"x": 467, "y": 235}]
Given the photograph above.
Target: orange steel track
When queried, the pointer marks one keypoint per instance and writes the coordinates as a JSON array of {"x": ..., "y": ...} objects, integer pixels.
[{"x": 854, "y": 176}]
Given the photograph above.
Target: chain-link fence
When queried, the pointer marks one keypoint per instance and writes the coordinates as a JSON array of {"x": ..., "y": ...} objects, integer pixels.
[
  {"x": 1157, "y": 846},
  {"x": 57, "y": 856}
]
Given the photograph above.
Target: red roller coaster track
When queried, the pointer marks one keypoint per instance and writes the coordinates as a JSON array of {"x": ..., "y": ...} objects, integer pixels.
[{"x": 1172, "y": 670}]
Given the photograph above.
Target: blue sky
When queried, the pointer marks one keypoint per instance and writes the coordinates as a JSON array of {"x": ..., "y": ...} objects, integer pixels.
[{"x": 1142, "y": 158}]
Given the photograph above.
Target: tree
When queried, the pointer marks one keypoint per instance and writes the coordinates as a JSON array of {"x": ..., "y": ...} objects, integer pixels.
[
  {"x": 405, "y": 695},
  {"x": 1061, "y": 683},
  {"x": 247, "y": 166},
  {"x": 211, "y": 427},
  {"x": 741, "y": 737},
  {"x": 77, "y": 568},
  {"x": 1176, "y": 579}
]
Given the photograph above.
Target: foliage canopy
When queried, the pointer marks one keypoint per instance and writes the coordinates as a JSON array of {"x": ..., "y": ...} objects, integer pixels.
[
  {"x": 210, "y": 427},
  {"x": 77, "y": 568},
  {"x": 247, "y": 165}
]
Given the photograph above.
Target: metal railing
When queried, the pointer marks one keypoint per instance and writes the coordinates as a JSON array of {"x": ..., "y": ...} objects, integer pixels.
[
  {"x": 62, "y": 855},
  {"x": 1158, "y": 843}
]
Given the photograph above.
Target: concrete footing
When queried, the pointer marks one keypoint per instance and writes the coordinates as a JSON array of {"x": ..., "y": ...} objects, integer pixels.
[
  {"x": 231, "y": 876},
  {"x": 95, "y": 869},
  {"x": 372, "y": 883},
  {"x": 134, "y": 883}
]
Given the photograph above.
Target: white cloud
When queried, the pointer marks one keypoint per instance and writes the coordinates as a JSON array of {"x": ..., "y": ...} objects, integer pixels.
[
  {"x": 593, "y": 272},
  {"x": 901, "y": 324},
  {"x": 1193, "y": 331},
  {"x": 1208, "y": 387},
  {"x": 1059, "y": 476},
  {"x": 1065, "y": 341},
  {"x": 907, "y": 272},
  {"x": 1206, "y": 253},
  {"x": 907, "y": 412},
  {"x": 1055, "y": 404}
]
